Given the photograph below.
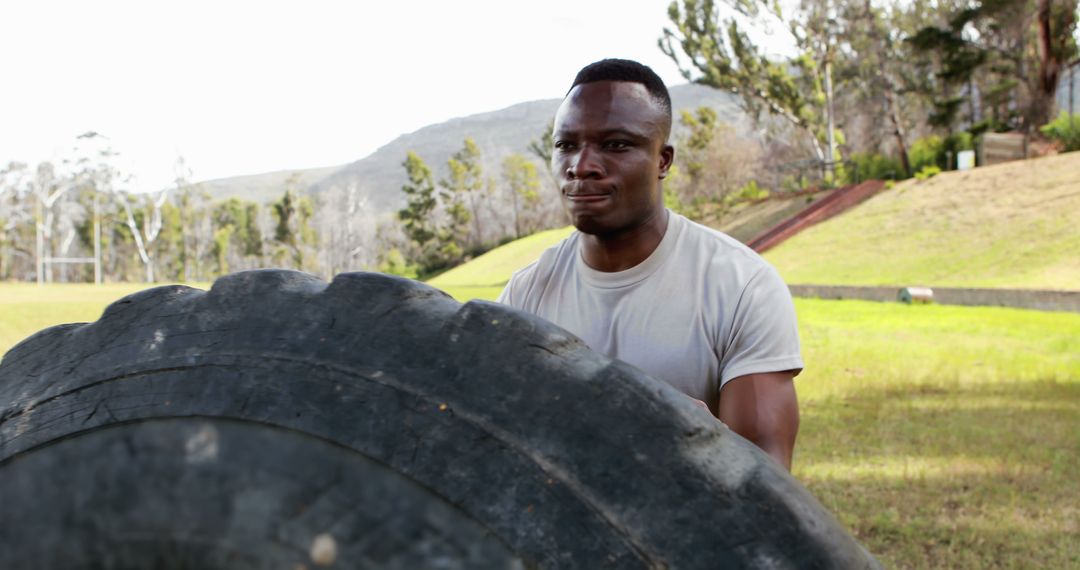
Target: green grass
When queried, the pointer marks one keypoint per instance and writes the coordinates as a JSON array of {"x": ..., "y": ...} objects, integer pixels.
[
  {"x": 942, "y": 437},
  {"x": 493, "y": 269},
  {"x": 26, "y": 308},
  {"x": 1010, "y": 225}
]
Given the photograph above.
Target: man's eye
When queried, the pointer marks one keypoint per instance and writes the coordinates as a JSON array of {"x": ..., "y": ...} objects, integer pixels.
[
  {"x": 564, "y": 145},
  {"x": 617, "y": 145}
]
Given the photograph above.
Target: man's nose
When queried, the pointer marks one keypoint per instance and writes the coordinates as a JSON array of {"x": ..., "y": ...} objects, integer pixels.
[{"x": 585, "y": 164}]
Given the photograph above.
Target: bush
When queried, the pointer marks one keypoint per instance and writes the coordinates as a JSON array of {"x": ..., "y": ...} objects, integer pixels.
[
  {"x": 1064, "y": 129},
  {"x": 940, "y": 152},
  {"x": 872, "y": 166},
  {"x": 927, "y": 172},
  {"x": 926, "y": 151},
  {"x": 751, "y": 191}
]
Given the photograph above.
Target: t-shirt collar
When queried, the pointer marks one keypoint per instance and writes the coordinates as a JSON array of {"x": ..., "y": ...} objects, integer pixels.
[{"x": 627, "y": 277}]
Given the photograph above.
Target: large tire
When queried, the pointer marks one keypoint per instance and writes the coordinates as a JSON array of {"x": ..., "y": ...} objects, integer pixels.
[{"x": 277, "y": 421}]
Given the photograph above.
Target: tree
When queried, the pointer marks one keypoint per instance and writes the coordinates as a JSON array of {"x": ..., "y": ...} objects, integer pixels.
[
  {"x": 417, "y": 215},
  {"x": 16, "y": 221},
  {"x": 1006, "y": 56},
  {"x": 722, "y": 55},
  {"x": 552, "y": 213},
  {"x": 292, "y": 224},
  {"x": 466, "y": 180},
  {"x": 523, "y": 184}
]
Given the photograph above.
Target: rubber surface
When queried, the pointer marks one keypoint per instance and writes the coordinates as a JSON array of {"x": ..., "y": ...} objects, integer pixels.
[{"x": 277, "y": 421}]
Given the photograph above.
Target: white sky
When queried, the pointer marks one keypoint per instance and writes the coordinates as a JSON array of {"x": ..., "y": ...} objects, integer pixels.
[{"x": 247, "y": 87}]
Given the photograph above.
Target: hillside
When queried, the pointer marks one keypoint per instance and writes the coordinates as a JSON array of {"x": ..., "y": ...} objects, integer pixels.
[
  {"x": 498, "y": 133},
  {"x": 486, "y": 275},
  {"x": 1011, "y": 225},
  {"x": 264, "y": 187}
]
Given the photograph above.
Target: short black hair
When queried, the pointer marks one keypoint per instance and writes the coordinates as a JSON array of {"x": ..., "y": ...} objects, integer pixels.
[{"x": 626, "y": 70}]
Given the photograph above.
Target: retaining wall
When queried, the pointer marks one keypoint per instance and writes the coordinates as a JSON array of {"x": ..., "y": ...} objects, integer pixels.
[{"x": 1042, "y": 300}]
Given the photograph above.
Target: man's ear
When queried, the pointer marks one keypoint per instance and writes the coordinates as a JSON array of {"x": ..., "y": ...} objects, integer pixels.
[{"x": 667, "y": 157}]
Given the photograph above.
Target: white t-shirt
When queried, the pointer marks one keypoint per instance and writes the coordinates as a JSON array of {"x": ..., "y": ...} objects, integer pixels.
[{"x": 700, "y": 310}]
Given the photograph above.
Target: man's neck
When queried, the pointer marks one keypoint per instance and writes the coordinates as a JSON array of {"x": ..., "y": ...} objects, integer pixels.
[{"x": 621, "y": 251}]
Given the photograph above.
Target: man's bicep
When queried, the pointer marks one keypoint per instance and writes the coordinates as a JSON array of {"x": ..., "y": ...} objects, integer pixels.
[{"x": 764, "y": 409}]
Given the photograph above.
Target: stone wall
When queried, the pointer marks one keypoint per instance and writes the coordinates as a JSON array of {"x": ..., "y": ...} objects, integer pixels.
[{"x": 1042, "y": 300}]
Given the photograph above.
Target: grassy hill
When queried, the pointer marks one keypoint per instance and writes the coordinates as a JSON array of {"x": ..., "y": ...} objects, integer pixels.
[
  {"x": 1012, "y": 225},
  {"x": 485, "y": 276}
]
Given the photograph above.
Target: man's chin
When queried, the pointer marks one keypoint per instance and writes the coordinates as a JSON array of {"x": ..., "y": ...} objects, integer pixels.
[{"x": 590, "y": 224}]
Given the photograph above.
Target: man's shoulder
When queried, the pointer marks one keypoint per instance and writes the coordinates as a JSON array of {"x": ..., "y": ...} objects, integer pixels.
[
  {"x": 722, "y": 251},
  {"x": 548, "y": 260}
]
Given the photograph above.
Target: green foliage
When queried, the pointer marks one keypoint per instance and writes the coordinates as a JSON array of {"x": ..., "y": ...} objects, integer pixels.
[
  {"x": 872, "y": 166},
  {"x": 466, "y": 179},
  {"x": 940, "y": 152},
  {"x": 927, "y": 151},
  {"x": 719, "y": 49},
  {"x": 292, "y": 227},
  {"x": 701, "y": 128},
  {"x": 752, "y": 192},
  {"x": 220, "y": 248},
  {"x": 1065, "y": 129},
  {"x": 437, "y": 237},
  {"x": 927, "y": 172},
  {"x": 523, "y": 184},
  {"x": 420, "y": 201},
  {"x": 394, "y": 263}
]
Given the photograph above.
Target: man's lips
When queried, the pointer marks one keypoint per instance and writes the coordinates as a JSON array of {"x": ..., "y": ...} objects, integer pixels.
[
  {"x": 586, "y": 194},
  {"x": 587, "y": 197}
]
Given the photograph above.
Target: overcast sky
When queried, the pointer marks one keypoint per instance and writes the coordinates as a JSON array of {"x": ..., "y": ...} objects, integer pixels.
[{"x": 247, "y": 87}]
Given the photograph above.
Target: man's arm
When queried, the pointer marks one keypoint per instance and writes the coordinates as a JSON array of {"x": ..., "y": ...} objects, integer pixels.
[{"x": 763, "y": 409}]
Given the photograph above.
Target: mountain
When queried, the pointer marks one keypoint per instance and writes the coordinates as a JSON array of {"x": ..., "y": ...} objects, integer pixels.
[
  {"x": 380, "y": 175},
  {"x": 497, "y": 133},
  {"x": 264, "y": 187}
]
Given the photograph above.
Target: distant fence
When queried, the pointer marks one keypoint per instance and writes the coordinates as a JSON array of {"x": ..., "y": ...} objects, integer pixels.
[{"x": 1042, "y": 300}]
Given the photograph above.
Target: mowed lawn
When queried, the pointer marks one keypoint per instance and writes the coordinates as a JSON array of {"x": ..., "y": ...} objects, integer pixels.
[{"x": 943, "y": 437}]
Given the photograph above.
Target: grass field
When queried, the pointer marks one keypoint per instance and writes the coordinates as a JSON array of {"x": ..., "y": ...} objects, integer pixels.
[
  {"x": 943, "y": 437},
  {"x": 485, "y": 276},
  {"x": 1009, "y": 225}
]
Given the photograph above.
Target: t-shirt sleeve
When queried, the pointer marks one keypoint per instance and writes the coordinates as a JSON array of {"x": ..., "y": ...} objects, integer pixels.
[
  {"x": 764, "y": 335},
  {"x": 507, "y": 294},
  {"x": 517, "y": 288}
]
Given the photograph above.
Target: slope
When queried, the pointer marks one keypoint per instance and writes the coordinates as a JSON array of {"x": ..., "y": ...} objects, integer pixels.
[
  {"x": 1012, "y": 225},
  {"x": 497, "y": 133},
  {"x": 264, "y": 187},
  {"x": 484, "y": 277}
]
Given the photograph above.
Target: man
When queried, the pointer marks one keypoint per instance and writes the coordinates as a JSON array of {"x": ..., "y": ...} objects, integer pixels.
[{"x": 637, "y": 282}]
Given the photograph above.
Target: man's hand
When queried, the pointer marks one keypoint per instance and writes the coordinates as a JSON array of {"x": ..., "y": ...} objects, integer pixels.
[{"x": 763, "y": 409}]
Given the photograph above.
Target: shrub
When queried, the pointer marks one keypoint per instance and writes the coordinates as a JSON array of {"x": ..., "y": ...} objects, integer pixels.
[
  {"x": 940, "y": 152},
  {"x": 1064, "y": 129},
  {"x": 872, "y": 166},
  {"x": 751, "y": 191},
  {"x": 927, "y": 151},
  {"x": 927, "y": 172}
]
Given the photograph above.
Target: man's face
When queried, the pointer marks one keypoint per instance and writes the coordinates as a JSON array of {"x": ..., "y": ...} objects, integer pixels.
[{"x": 610, "y": 155}]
